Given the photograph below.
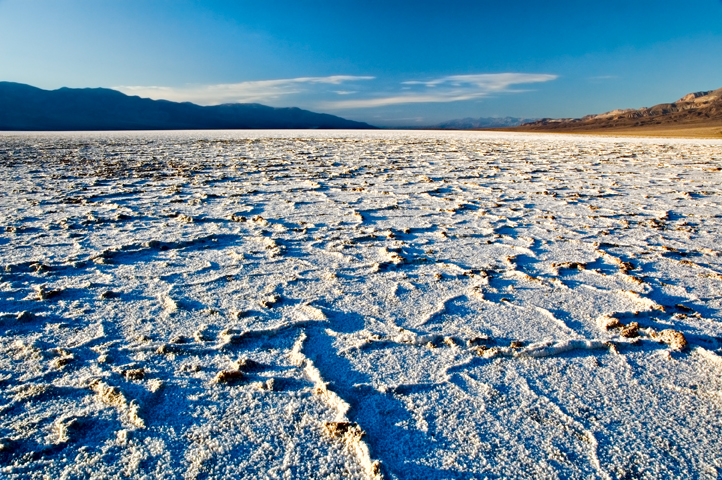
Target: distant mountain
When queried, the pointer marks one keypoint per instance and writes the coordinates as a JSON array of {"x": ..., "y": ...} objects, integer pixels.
[
  {"x": 694, "y": 109},
  {"x": 23, "y": 107},
  {"x": 483, "y": 122}
]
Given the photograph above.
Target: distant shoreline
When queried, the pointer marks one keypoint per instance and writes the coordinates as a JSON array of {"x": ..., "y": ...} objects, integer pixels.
[
  {"x": 706, "y": 132},
  {"x": 666, "y": 131}
]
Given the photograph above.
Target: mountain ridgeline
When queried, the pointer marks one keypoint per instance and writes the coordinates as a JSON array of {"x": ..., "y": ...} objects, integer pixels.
[
  {"x": 23, "y": 107},
  {"x": 483, "y": 122},
  {"x": 697, "y": 109}
]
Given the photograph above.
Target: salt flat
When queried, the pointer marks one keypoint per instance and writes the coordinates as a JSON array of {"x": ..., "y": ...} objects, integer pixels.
[{"x": 359, "y": 305}]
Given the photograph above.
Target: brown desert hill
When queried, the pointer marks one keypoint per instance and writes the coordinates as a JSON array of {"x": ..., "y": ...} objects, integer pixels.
[{"x": 695, "y": 114}]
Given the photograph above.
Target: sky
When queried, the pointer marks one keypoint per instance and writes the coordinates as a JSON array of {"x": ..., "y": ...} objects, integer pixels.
[{"x": 388, "y": 63}]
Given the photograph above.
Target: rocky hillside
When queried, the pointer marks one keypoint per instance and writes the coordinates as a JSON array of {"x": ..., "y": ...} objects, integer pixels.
[{"x": 699, "y": 108}]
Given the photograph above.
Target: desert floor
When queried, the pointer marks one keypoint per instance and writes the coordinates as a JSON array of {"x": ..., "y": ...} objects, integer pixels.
[{"x": 403, "y": 305}]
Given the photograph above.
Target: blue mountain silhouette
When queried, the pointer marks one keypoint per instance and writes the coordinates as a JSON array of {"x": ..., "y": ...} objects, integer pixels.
[{"x": 24, "y": 107}]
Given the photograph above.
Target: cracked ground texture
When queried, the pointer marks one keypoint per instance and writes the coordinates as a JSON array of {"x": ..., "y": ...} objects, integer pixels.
[{"x": 393, "y": 305}]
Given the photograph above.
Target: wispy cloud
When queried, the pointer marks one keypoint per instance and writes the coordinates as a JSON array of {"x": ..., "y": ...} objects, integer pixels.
[
  {"x": 599, "y": 78},
  {"x": 317, "y": 92},
  {"x": 398, "y": 100},
  {"x": 452, "y": 88},
  {"x": 486, "y": 81},
  {"x": 243, "y": 92}
]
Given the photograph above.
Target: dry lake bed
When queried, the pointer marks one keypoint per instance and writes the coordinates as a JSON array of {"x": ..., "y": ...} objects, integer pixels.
[{"x": 377, "y": 304}]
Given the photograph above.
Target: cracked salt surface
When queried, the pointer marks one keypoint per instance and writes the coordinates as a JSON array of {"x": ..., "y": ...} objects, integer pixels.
[{"x": 359, "y": 304}]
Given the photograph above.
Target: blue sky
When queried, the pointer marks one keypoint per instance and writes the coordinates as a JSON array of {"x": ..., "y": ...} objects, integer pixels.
[{"x": 384, "y": 62}]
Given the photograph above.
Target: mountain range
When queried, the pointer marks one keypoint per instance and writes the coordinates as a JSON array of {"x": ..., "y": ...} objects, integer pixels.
[
  {"x": 23, "y": 107},
  {"x": 698, "y": 109},
  {"x": 483, "y": 122}
]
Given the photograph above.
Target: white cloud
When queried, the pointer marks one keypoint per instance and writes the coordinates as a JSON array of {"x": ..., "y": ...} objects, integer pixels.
[
  {"x": 452, "y": 88},
  {"x": 399, "y": 100},
  {"x": 243, "y": 92},
  {"x": 490, "y": 82},
  {"x": 603, "y": 77}
]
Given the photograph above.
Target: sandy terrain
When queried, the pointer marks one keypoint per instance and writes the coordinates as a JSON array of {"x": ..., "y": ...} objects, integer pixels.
[{"x": 402, "y": 305}]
